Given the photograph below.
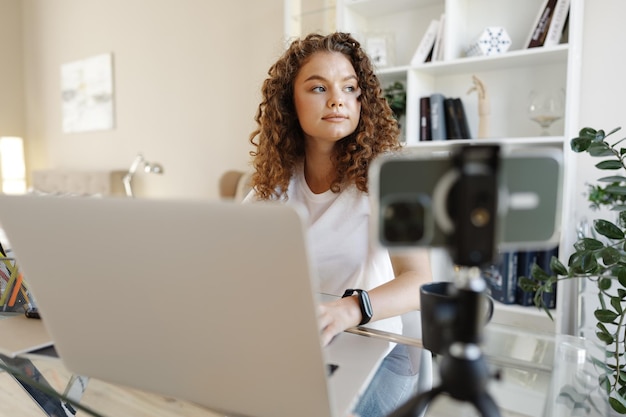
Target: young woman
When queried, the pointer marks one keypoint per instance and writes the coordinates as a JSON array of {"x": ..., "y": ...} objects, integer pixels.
[{"x": 321, "y": 121}]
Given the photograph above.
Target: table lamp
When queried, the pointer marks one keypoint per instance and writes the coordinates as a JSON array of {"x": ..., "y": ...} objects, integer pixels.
[{"x": 148, "y": 167}]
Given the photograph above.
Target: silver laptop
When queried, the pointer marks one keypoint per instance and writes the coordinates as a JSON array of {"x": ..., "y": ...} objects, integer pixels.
[{"x": 211, "y": 302}]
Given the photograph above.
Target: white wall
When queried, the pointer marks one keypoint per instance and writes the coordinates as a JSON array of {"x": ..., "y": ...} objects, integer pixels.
[
  {"x": 187, "y": 80},
  {"x": 603, "y": 85},
  {"x": 12, "y": 120}
]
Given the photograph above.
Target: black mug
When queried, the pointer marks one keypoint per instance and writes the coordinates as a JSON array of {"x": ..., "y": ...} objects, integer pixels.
[{"x": 445, "y": 318}]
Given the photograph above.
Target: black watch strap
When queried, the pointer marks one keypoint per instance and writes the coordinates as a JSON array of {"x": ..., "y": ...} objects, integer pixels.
[{"x": 364, "y": 304}]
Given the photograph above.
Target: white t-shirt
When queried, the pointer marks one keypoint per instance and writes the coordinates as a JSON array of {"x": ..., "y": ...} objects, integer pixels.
[{"x": 341, "y": 255}]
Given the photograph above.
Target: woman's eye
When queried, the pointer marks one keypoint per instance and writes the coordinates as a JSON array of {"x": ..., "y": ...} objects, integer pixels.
[
  {"x": 319, "y": 89},
  {"x": 351, "y": 89}
]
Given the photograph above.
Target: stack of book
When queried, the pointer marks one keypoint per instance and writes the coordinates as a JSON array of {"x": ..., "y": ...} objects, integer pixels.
[
  {"x": 550, "y": 25},
  {"x": 502, "y": 277},
  {"x": 442, "y": 118}
]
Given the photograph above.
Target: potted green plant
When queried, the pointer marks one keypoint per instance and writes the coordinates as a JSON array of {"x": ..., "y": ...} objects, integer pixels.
[
  {"x": 395, "y": 94},
  {"x": 599, "y": 258}
]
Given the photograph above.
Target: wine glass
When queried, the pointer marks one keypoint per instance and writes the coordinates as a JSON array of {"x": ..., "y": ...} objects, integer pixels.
[{"x": 546, "y": 107}]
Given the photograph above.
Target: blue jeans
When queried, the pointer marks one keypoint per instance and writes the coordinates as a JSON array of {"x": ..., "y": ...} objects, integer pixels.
[{"x": 393, "y": 384}]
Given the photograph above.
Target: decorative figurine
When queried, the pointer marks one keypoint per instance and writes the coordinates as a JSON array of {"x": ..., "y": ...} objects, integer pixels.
[{"x": 484, "y": 107}]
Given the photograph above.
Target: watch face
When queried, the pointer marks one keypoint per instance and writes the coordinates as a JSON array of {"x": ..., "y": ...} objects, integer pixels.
[{"x": 364, "y": 304}]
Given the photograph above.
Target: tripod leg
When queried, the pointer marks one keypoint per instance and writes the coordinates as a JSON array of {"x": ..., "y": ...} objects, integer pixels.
[
  {"x": 486, "y": 406},
  {"x": 417, "y": 405}
]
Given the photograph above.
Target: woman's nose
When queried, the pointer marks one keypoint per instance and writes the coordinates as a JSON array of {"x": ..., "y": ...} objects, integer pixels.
[{"x": 335, "y": 101}]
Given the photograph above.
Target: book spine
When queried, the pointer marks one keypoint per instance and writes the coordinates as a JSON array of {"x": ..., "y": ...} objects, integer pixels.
[
  {"x": 425, "y": 131},
  {"x": 540, "y": 30},
  {"x": 462, "y": 117},
  {"x": 525, "y": 261},
  {"x": 438, "y": 47},
  {"x": 456, "y": 121},
  {"x": 426, "y": 44},
  {"x": 437, "y": 117},
  {"x": 557, "y": 23},
  {"x": 501, "y": 278},
  {"x": 544, "y": 3},
  {"x": 453, "y": 129}
]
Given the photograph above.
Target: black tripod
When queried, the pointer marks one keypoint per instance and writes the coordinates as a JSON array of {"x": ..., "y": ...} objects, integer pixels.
[
  {"x": 463, "y": 371},
  {"x": 472, "y": 206}
]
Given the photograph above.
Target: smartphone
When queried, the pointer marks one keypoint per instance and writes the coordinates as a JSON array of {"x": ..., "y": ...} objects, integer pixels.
[{"x": 411, "y": 196}]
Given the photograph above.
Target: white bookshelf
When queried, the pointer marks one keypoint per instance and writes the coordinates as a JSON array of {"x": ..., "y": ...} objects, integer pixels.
[{"x": 509, "y": 77}]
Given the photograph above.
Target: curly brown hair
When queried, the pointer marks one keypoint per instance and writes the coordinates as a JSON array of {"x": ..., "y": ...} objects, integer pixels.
[{"x": 280, "y": 145}]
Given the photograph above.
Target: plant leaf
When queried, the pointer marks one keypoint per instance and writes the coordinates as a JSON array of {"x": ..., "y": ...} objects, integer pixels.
[
  {"x": 588, "y": 244},
  {"x": 613, "y": 178},
  {"x": 589, "y": 132},
  {"x": 604, "y": 284},
  {"x": 608, "y": 229},
  {"x": 605, "y": 316},
  {"x": 616, "y": 189},
  {"x": 613, "y": 131},
  {"x": 617, "y": 304},
  {"x": 527, "y": 284},
  {"x": 583, "y": 262},
  {"x": 538, "y": 273},
  {"x": 609, "y": 164},
  {"x": 610, "y": 256},
  {"x": 600, "y": 149},
  {"x": 557, "y": 267},
  {"x": 580, "y": 144},
  {"x": 619, "y": 271},
  {"x": 617, "y": 405},
  {"x": 605, "y": 337}
]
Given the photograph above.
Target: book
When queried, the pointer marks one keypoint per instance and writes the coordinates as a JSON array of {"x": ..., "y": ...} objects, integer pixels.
[
  {"x": 542, "y": 23},
  {"x": 425, "y": 131},
  {"x": 438, "y": 47},
  {"x": 525, "y": 261},
  {"x": 456, "y": 120},
  {"x": 501, "y": 278},
  {"x": 557, "y": 23},
  {"x": 425, "y": 47},
  {"x": 437, "y": 117},
  {"x": 565, "y": 34},
  {"x": 460, "y": 111}
]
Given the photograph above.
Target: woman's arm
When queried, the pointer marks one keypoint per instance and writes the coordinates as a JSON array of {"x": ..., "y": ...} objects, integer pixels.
[{"x": 393, "y": 298}]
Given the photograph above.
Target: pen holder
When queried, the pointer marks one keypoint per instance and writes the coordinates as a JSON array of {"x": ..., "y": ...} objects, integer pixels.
[{"x": 14, "y": 295}]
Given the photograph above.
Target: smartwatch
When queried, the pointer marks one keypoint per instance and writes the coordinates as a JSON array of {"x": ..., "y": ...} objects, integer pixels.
[{"x": 364, "y": 304}]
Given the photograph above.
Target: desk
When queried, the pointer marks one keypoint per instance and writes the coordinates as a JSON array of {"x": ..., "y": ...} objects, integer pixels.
[
  {"x": 105, "y": 398},
  {"x": 524, "y": 359}
]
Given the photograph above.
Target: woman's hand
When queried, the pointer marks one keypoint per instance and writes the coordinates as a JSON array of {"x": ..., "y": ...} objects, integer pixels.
[{"x": 336, "y": 316}]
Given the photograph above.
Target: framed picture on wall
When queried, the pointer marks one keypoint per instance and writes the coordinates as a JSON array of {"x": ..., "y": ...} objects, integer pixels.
[
  {"x": 87, "y": 94},
  {"x": 380, "y": 48}
]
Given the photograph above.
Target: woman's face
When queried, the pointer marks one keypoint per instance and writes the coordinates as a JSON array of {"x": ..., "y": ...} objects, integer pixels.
[{"x": 326, "y": 97}]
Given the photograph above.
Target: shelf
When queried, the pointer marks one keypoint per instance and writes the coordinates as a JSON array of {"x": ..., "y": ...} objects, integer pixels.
[
  {"x": 514, "y": 59},
  {"x": 374, "y": 8},
  {"x": 552, "y": 141},
  {"x": 529, "y": 318},
  {"x": 393, "y": 71},
  {"x": 508, "y": 78}
]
